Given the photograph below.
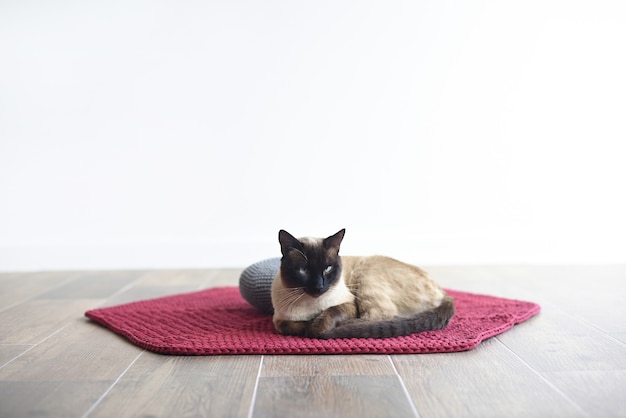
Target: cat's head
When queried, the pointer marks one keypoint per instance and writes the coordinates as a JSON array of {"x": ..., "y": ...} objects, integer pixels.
[{"x": 313, "y": 264}]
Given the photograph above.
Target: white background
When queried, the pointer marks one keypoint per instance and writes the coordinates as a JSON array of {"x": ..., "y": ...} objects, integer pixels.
[{"x": 140, "y": 134}]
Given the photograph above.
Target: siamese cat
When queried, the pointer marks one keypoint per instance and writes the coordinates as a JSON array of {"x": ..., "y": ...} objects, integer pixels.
[{"x": 319, "y": 294}]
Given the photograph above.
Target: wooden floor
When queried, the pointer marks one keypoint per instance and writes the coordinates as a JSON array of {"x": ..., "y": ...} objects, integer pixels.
[{"x": 568, "y": 361}]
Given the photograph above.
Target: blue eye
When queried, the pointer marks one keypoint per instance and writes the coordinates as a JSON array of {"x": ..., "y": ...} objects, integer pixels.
[
  {"x": 302, "y": 271},
  {"x": 328, "y": 269}
]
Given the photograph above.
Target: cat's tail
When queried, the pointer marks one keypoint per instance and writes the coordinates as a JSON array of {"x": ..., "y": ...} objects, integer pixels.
[{"x": 434, "y": 319}]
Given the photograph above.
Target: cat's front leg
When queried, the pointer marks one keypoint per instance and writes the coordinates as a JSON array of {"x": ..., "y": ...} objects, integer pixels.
[
  {"x": 329, "y": 319},
  {"x": 286, "y": 327}
]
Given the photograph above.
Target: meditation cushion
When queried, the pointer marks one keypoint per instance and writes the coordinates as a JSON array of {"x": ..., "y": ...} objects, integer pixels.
[{"x": 255, "y": 284}]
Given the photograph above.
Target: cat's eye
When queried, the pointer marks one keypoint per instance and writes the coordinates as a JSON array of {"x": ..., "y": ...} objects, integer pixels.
[
  {"x": 328, "y": 269},
  {"x": 302, "y": 271}
]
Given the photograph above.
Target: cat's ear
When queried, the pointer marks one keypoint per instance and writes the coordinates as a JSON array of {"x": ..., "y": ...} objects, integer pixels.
[
  {"x": 334, "y": 241},
  {"x": 288, "y": 241}
]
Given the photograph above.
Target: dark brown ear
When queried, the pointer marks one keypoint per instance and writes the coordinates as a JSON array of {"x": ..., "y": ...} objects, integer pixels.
[
  {"x": 334, "y": 241},
  {"x": 287, "y": 242}
]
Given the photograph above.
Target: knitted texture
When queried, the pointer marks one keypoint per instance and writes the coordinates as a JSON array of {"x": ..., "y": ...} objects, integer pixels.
[
  {"x": 255, "y": 284},
  {"x": 220, "y": 321}
]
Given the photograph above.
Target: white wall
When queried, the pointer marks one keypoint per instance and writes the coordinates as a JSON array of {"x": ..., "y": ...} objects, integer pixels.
[{"x": 186, "y": 133}]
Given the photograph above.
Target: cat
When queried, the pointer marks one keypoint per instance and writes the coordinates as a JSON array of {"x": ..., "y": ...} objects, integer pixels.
[{"x": 319, "y": 294}]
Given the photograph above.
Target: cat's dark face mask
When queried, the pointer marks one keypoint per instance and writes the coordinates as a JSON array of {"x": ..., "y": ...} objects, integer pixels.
[{"x": 314, "y": 266}]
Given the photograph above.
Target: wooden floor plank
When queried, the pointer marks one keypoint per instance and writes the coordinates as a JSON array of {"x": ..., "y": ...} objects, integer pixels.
[
  {"x": 76, "y": 352},
  {"x": 170, "y": 386},
  {"x": 337, "y": 365},
  {"x": 9, "y": 352},
  {"x": 349, "y": 385},
  {"x": 568, "y": 360},
  {"x": 601, "y": 393},
  {"x": 4, "y": 276},
  {"x": 331, "y": 395},
  {"x": 64, "y": 375},
  {"x": 225, "y": 277},
  {"x": 482, "y": 280},
  {"x": 488, "y": 381},
  {"x": 592, "y": 293},
  {"x": 89, "y": 285},
  {"x": 34, "y": 320},
  {"x": 19, "y": 287},
  {"x": 143, "y": 292},
  {"x": 49, "y": 398},
  {"x": 157, "y": 284},
  {"x": 177, "y": 278},
  {"x": 566, "y": 344}
]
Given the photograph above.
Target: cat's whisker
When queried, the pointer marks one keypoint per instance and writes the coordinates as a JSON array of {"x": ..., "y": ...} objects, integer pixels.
[
  {"x": 289, "y": 297},
  {"x": 296, "y": 300},
  {"x": 285, "y": 299},
  {"x": 290, "y": 289}
]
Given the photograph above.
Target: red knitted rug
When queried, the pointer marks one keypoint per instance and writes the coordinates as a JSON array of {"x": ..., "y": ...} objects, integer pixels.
[{"x": 219, "y": 321}]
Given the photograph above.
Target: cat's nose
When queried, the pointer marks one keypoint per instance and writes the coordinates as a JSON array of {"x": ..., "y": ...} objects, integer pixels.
[{"x": 317, "y": 288}]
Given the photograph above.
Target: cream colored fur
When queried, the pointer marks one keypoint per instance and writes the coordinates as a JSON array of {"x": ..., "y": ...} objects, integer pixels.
[
  {"x": 381, "y": 287},
  {"x": 306, "y": 307}
]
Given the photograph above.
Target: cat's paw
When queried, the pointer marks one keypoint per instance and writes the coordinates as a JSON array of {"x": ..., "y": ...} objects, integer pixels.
[
  {"x": 320, "y": 325},
  {"x": 291, "y": 327},
  {"x": 328, "y": 320}
]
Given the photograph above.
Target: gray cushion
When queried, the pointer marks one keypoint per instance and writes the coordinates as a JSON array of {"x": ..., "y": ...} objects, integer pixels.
[{"x": 255, "y": 284}]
